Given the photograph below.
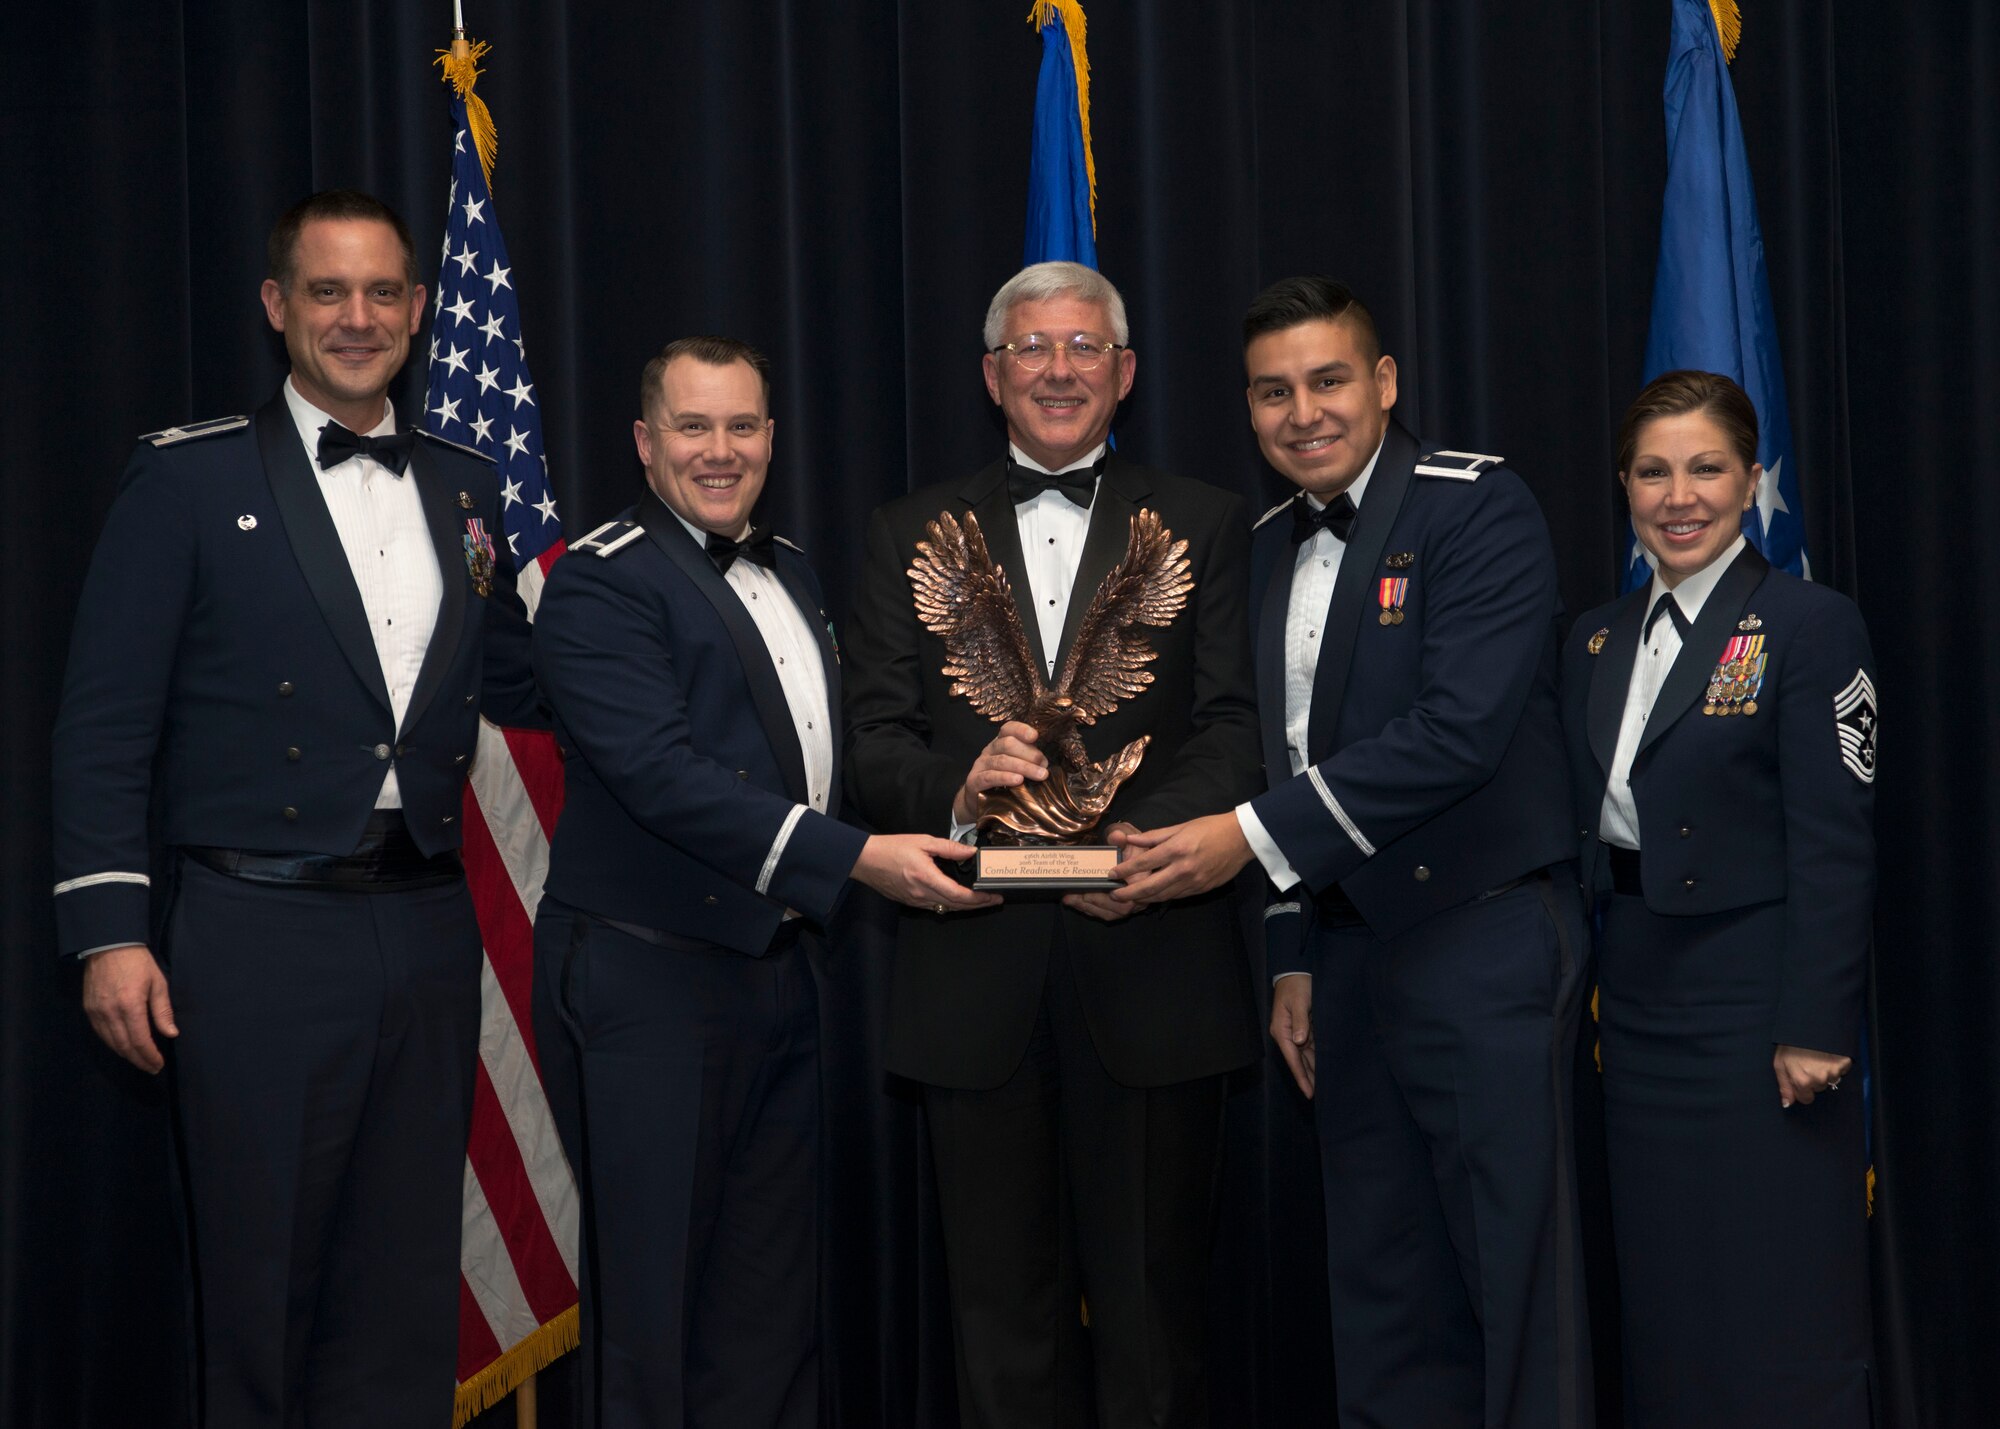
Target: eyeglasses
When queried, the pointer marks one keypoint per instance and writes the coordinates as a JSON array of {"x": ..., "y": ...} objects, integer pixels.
[{"x": 1035, "y": 352}]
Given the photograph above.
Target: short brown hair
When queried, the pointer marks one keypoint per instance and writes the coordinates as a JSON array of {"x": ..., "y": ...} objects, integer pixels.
[
  {"x": 1674, "y": 394},
  {"x": 1291, "y": 301},
  {"x": 706, "y": 348},
  {"x": 333, "y": 204}
]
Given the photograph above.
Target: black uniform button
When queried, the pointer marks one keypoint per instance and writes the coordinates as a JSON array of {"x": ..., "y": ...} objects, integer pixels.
[
  {"x": 1687, "y": 883},
  {"x": 743, "y": 774},
  {"x": 284, "y": 687},
  {"x": 468, "y": 699},
  {"x": 1686, "y": 832},
  {"x": 290, "y": 812},
  {"x": 461, "y": 759},
  {"x": 399, "y": 751},
  {"x": 710, "y": 899},
  {"x": 446, "y": 819},
  {"x": 1423, "y": 875},
  {"x": 381, "y": 751},
  {"x": 293, "y": 754}
]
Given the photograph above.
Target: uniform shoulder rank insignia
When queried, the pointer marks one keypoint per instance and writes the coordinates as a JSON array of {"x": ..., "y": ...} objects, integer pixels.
[
  {"x": 1281, "y": 506},
  {"x": 479, "y": 556},
  {"x": 793, "y": 544},
  {"x": 1854, "y": 722},
  {"x": 1401, "y": 560},
  {"x": 1459, "y": 466},
  {"x": 1596, "y": 645},
  {"x": 610, "y": 538},
  {"x": 1750, "y": 622},
  {"x": 456, "y": 446},
  {"x": 173, "y": 435},
  {"x": 1734, "y": 683}
]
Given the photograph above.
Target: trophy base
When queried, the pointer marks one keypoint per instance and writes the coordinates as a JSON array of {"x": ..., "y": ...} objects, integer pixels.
[{"x": 1061, "y": 868}]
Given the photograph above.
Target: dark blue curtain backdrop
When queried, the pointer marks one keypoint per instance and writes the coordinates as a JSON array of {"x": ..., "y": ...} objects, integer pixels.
[{"x": 845, "y": 186}]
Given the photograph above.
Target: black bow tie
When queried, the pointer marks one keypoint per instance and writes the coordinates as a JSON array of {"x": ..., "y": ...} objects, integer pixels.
[
  {"x": 1336, "y": 516},
  {"x": 337, "y": 444},
  {"x": 1079, "y": 484},
  {"x": 1672, "y": 607},
  {"x": 760, "y": 546}
]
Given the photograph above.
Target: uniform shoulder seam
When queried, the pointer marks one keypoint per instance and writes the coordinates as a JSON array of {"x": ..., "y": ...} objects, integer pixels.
[
  {"x": 456, "y": 446},
  {"x": 172, "y": 436},
  {"x": 1254, "y": 525}
]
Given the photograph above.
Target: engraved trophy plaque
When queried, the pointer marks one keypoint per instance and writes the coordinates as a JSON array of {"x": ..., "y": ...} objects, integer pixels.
[{"x": 1035, "y": 835}]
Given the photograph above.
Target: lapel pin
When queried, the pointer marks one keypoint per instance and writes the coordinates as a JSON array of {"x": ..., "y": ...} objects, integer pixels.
[
  {"x": 1401, "y": 560},
  {"x": 465, "y": 499},
  {"x": 1596, "y": 646},
  {"x": 246, "y": 522}
]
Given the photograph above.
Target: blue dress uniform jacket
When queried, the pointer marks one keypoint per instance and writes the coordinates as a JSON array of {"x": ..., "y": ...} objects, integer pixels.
[
  {"x": 1739, "y": 810},
  {"x": 685, "y": 783},
  {"x": 1437, "y": 768},
  {"x": 221, "y": 630}
]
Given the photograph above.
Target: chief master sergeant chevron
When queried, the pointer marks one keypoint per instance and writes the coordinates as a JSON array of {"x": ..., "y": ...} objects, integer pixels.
[
  {"x": 1405, "y": 617},
  {"x": 280, "y": 656}
]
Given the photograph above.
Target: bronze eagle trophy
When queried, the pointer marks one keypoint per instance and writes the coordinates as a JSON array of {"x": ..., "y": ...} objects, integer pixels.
[{"x": 962, "y": 596}]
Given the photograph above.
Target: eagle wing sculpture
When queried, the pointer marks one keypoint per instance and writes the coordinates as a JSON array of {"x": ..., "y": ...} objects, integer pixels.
[
  {"x": 1107, "y": 660},
  {"x": 962, "y": 596}
]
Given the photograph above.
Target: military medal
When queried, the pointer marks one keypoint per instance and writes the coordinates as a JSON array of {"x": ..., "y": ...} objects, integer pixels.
[
  {"x": 1738, "y": 677},
  {"x": 1596, "y": 645},
  {"x": 479, "y": 556},
  {"x": 1390, "y": 596}
]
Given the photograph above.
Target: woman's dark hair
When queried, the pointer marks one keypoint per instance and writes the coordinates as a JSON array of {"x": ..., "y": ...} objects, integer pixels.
[{"x": 1673, "y": 394}]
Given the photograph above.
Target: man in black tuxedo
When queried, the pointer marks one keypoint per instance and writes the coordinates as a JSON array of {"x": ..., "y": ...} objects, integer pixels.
[
  {"x": 290, "y": 628},
  {"x": 1071, "y": 1055}
]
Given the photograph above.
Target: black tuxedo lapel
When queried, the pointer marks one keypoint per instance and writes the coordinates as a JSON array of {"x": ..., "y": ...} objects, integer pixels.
[
  {"x": 666, "y": 532},
  {"x": 792, "y": 578},
  {"x": 316, "y": 543},
  {"x": 1611, "y": 677},
  {"x": 1388, "y": 486},
  {"x": 987, "y": 495},
  {"x": 443, "y": 516},
  {"x": 1119, "y": 492},
  {"x": 1704, "y": 644},
  {"x": 1271, "y": 620}
]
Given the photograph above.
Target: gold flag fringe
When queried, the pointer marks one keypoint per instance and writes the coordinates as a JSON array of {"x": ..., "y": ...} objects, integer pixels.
[
  {"x": 1073, "y": 26},
  {"x": 1728, "y": 25},
  {"x": 461, "y": 67},
  {"x": 500, "y": 1379}
]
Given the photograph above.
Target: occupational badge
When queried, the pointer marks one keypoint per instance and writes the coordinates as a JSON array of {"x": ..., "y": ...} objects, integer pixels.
[
  {"x": 1596, "y": 645},
  {"x": 1401, "y": 560},
  {"x": 1750, "y": 622},
  {"x": 1390, "y": 596},
  {"x": 465, "y": 500},
  {"x": 1854, "y": 723},
  {"x": 1737, "y": 678},
  {"x": 479, "y": 556},
  {"x": 246, "y": 522},
  {"x": 1032, "y": 836}
]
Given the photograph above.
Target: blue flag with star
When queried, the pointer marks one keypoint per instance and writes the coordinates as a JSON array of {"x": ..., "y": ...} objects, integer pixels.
[
  {"x": 481, "y": 392},
  {"x": 1711, "y": 295}
]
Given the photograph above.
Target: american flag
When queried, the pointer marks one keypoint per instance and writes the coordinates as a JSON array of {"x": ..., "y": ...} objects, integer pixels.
[{"x": 518, "y": 1246}]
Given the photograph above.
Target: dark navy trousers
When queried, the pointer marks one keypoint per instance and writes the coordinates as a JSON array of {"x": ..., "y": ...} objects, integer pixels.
[
  {"x": 1443, "y": 1105},
  {"x": 322, "y": 1086},
  {"x": 685, "y": 1083}
]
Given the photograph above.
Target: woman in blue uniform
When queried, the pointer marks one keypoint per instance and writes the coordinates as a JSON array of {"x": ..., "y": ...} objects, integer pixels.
[{"x": 1721, "y": 728}]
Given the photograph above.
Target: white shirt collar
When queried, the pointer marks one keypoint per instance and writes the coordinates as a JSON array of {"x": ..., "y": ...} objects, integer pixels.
[
  {"x": 309, "y": 419},
  {"x": 701, "y": 536},
  {"x": 1693, "y": 591},
  {"x": 1021, "y": 458},
  {"x": 1360, "y": 483}
]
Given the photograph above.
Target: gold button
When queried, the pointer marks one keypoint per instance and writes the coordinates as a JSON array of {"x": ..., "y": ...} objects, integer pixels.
[
  {"x": 1686, "y": 832},
  {"x": 284, "y": 687}
]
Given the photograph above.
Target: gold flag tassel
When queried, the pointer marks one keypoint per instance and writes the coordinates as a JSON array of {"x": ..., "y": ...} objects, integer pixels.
[
  {"x": 461, "y": 68},
  {"x": 1073, "y": 26},
  {"x": 1728, "y": 25}
]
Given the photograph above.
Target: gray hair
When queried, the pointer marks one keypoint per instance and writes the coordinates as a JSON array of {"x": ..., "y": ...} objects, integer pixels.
[{"x": 1039, "y": 282}]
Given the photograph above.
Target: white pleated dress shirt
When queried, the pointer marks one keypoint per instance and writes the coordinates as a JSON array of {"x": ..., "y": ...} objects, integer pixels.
[
  {"x": 1618, "y": 819},
  {"x": 380, "y": 519},
  {"x": 1314, "y": 570}
]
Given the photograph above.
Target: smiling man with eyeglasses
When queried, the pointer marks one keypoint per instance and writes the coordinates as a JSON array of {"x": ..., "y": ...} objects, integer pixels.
[{"x": 1071, "y": 1054}]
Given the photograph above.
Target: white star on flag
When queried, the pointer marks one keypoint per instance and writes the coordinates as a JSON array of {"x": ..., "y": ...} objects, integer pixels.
[
  {"x": 446, "y": 410},
  {"x": 510, "y": 494},
  {"x": 1769, "y": 498},
  {"x": 489, "y": 376},
  {"x": 521, "y": 392},
  {"x": 455, "y": 359},
  {"x": 472, "y": 207},
  {"x": 517, "y": 441},
  {"x": 498, "y": 277},
  {"x": 482, "y": 425},
  {"x": 547, "y": 506},
  {"x": 462, "y": 309},
  {"x": 491, "y": 327}
]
